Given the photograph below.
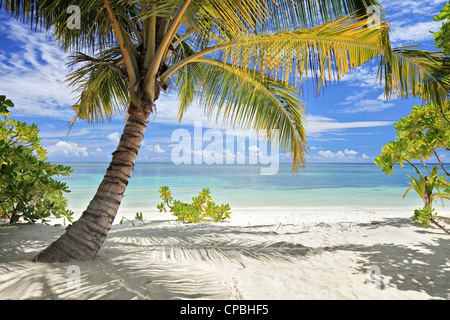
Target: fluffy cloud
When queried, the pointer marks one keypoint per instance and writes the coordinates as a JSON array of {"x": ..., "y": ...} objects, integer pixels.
[
  {"x": 407, "y": 8},
  {"x": 363, "y": 76},
  {"x": 32, "y": 75},
  {"x": 357, "y": 102},
  {"x": 114, "y": 137},
  {"x": 414, "y": 33},
  {"x": 350, "y": 152},
  {"x": 65, "y": 148},
  {"x": 411, "y": 20},
  {"x": 346, "y": 155},
  {"x": 156, "y": 148},
  {"x": 338, "y": 155}
]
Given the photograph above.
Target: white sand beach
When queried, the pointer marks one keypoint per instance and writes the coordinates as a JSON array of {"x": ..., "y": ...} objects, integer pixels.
[{"x": 270, "y": 254}]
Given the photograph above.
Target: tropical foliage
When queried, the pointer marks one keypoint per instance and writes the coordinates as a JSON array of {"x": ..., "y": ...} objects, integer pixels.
[
  {"x": 202, "y": 208},
  {"x": 442, "y": 37},
  {"x": 422, "y": 137},
  {"x": 138, "y": 217},
  {"x": 28, "y": 189}
]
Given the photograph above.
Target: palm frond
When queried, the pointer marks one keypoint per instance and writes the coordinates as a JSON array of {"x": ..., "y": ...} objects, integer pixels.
[
  {"x": 102, "y": 83},
  {"x": 95, "y": 33},
  {"x": 269, "y": 108},
  {"x": 216, "y": 21},
  {"x": 415, "y": 72},
  {"x": 333, "y": 48},
  {"x": 287, "y": 14}
]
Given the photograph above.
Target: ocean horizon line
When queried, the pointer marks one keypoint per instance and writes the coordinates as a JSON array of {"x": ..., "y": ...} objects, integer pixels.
[{"x": 243, "y": 164}]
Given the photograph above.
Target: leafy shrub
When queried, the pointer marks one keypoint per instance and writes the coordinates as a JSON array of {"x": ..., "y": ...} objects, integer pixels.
[
  {"x": 421, "y": 137},
  {"x": 27, "y": 187},
  {"x": 425, "y": 215},
  {"x": 202, "y": 208},
  {"x": 442, "y": 37}
]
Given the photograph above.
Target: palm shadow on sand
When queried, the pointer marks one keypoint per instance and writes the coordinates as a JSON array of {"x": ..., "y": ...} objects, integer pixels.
[{"x": 169, "y": 263}]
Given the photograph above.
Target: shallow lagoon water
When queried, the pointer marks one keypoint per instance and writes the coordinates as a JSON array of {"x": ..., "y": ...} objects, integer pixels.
[{"x": 343, "y": 186}]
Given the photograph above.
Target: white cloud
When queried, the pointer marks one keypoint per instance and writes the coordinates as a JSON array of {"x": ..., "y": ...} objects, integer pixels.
[
  {"x": 156, "y": 148},
  {"x": 114, "y": 137},
  {"x": 67, "y": 149},
  {"x": 339, "y": 154},
  {"x": 358, "y": 102},
  {"x": 411, "y": 20},
  {"x": 418, "y": 32},
  {"x": 367, "y": 105},
  {"x": 363, "y": 76},
  {"x": 407, "y": 8},
  {"x": 353, "y": 98},
  {"x": 33, "y": 76},
  {"x": 320, "y": 124},
  {"x": 51, "y": 133},
  {"x": 350, "y": 152},
  {"x": 344, "y": 156},
  {"x": 331, "y": 155}
]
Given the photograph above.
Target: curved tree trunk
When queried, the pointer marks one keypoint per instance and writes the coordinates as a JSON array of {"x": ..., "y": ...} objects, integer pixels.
[{"x": 83, "y": 238}]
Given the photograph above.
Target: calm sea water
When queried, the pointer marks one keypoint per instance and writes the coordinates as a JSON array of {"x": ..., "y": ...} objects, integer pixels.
[{"x": 318, "y": 185}]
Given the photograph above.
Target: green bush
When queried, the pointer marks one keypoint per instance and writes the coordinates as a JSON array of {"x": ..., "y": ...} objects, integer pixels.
[
  {"x": 425, "y": 215},
  {"x": 27, "y": 187},
  {"x": 422, "y": 138},
  {"x": 202, "y": 208}
]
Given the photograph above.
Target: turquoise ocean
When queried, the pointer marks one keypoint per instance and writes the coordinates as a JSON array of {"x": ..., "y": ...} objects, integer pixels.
[{"x": 317, "y": 186}]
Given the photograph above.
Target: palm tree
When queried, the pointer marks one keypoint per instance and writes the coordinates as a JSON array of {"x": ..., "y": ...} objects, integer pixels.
[{"x": 245, "y": 60}]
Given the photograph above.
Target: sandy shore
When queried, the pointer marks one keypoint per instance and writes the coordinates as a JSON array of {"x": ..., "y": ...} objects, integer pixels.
[{"x": 258, "y": 255}]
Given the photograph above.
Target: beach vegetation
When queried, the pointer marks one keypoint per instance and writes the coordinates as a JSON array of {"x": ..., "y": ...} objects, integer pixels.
[
  {"x": 29, "y": 189},
  {"x": 247, "y": 62},
  {"x": 422, "y": 139},
  {"x": 442, "y": 36},
  {"x": 202, "y": 208},
  {"x": 137, "y": 217}
]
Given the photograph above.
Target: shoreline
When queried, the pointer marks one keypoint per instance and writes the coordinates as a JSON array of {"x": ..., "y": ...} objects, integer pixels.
[{"x": 273, "y": 215}]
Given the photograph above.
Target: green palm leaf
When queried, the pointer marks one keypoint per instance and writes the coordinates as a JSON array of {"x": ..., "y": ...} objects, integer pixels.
[
  {"x": 103, "y": 85},
  {"x": 244, "y": 101},
  {"x": 417, "y": 72}
]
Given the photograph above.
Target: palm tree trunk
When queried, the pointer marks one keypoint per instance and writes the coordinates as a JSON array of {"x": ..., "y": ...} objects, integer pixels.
[{"x": 83, "y": 238}]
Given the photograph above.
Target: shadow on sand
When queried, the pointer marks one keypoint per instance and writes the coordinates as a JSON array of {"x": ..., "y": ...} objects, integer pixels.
[{"x": 172, "y": 263}]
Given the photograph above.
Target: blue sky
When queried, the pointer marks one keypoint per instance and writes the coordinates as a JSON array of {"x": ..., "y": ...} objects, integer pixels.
[{"x": 350, "y": 122}]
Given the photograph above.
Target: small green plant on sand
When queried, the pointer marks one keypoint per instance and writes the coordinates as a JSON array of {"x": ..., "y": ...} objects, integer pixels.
[
  {"x": 138, "y": 217},
  {"x": 202, "y": 208}
]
